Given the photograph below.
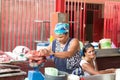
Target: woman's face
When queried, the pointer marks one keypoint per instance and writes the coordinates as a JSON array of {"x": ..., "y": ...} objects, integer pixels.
[
  {"x": 62, "y": 38},
  {"x": 90, "y": 53}
]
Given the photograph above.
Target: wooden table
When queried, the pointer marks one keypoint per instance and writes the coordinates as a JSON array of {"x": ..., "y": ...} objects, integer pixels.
[
  {"x": 24, "y": 65},
  {"x": 13, "y": 76}
]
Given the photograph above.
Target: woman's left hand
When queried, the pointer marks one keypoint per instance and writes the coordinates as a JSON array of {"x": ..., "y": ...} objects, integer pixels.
[{"x": 111, "y": 70}]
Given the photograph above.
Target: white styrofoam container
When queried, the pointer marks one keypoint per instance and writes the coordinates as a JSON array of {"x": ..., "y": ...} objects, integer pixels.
[{"x": 42, "y": 45}]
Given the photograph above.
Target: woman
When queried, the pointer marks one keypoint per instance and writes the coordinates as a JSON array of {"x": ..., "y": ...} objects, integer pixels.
[
  {"x": 88, "y": 62},
  {"x": 64, "y": 49}
]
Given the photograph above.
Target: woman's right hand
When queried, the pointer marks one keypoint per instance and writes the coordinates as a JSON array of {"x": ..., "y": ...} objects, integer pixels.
[
  {"x": 36, "y": 57},
  {"x": 44, "y": 52}
]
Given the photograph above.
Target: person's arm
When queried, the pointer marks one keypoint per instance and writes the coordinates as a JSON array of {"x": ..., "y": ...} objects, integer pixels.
[
  {"x": 46, "y": 51},
  {"x": 111, "y": 70},
  {"x": 74, "y": 46},
  {"x": 90, "y": 69}
]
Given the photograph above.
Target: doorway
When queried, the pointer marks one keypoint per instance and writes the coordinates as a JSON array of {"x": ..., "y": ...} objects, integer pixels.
[
  {"x": 89, "y": 26},
  {"x": 94, "y": 23}
]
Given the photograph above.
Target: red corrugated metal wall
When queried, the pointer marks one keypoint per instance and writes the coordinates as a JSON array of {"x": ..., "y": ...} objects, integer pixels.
[
  {"x": 112, "y": 22},
  {"x": 76, "y": 11},
  {"x": 25, "y": 21},
  {"x": 22, "y": 21}
]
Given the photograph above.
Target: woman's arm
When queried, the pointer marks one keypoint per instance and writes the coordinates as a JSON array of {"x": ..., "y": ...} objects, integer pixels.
[
  {"x": 111, "y": 70},
  {"x": 90, "y": 69},
  {"x": 73, "y": 48}
]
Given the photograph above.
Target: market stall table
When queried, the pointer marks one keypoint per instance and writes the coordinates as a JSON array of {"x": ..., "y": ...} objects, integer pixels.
[
  {"x": 24, "y": 65},
  {"x": 108, "y": 58},
  {"x": 13, "y": 76}
]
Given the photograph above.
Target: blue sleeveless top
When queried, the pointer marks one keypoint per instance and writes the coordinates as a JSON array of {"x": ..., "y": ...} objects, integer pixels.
[{"x": 66, "y": 64}]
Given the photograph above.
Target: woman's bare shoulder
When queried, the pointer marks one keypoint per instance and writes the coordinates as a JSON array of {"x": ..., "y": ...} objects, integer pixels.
[{"x": 75, "y": 40}]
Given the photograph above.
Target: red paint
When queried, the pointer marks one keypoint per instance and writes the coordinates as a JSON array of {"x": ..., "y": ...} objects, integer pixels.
[
  {"x": 60, "y": 5},
  {"x": 97, "y": 26},
  {"x": 112, "y": 22},
  {"x": 18, "y": 26}
]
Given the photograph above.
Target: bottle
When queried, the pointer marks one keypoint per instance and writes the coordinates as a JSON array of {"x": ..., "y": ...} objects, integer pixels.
[{"x": 51, "y": 38}]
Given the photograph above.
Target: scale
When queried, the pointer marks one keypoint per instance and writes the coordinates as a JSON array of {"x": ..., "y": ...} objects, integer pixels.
[
  {"x": 35, "y": 74},
  {"x": 36, "y": 62}
]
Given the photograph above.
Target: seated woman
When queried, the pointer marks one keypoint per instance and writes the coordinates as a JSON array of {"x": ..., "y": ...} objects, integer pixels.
[{"x": 88, "y": 63}]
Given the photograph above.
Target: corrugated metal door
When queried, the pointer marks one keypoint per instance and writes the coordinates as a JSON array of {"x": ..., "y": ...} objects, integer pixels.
[
  {"x": 76, "y": 11},
  {"x": 94, "y": 22},
  {"x": 25, "y": 21},
  {"x": 112, "y": 22}
]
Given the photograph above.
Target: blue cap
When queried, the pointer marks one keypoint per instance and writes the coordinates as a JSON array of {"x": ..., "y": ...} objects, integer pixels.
[{"x": 61, "y": 28}]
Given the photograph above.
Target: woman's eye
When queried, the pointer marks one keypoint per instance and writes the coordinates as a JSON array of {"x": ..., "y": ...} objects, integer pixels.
[{"x": 91, "y": 51}]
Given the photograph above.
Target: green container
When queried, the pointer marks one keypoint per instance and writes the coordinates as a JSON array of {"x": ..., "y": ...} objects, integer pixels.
[
  {"x": 51, "y": 71},
  {"x": 105, "y": 43},
  {"x": 61, "y": 76}
]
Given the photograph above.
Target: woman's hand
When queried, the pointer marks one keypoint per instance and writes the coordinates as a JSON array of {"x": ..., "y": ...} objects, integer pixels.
[
  {"x": 44, "y": 52},
  {"x": 111, "y": 70},
  {"x": 37, "y": 57}
]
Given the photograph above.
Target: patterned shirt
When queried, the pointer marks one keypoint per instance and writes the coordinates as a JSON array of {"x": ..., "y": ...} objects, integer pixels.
[{"x": 66, "y": 64}]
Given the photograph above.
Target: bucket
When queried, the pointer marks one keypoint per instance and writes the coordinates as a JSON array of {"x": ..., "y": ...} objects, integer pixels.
[
  {"x": 61, "y": 76},
  {"x": 42, "y": 45},
  {"x": 51, "y": 71},
  {"x": 105, "y": 43}
]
